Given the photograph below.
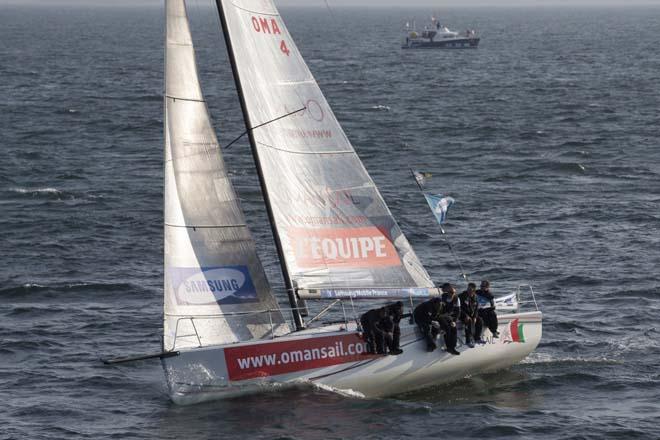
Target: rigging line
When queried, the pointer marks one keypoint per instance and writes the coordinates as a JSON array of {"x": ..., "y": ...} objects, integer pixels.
[
  {"x": 327, "y": 5},
  {"x": 261, "y": 125},
  {"x": 451, "y": 249},
  {"x": 344, "y": 35}
]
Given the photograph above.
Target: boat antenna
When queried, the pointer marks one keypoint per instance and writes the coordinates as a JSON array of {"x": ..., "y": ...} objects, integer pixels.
[{"x": 444, "y": 236}]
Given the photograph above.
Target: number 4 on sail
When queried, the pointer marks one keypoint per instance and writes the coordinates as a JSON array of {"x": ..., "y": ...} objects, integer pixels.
[{"x": 224, "y": 332}]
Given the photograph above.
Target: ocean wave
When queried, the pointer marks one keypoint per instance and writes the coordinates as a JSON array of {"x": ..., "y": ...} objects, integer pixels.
[
  {"x": 47, "y": 192},
  {"x": 23, "y": 310},
  {"x": 575, "y": 144},
  {"x": 24, "y": 345},
  {"x": 537, "y": 358},
  {"x": 341, "y": 392},
  {"x": 561, "y": 167},
  {"x": 29, "y": 155},
  {"x": 72, "y": 175},
  {"x": 55, "y": 194},
  {"x": 28, "y": 289},
  {"x": 127, "y": 98},
  {"x": 498, "y": 430},
  {"x": 529, "y": 135},
  {"x": 66, "y": 111},
  {"x": 580, "y": 280}
]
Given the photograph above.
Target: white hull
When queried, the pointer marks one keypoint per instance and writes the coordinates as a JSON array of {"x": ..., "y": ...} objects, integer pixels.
[{"x": 210, "y": 373}]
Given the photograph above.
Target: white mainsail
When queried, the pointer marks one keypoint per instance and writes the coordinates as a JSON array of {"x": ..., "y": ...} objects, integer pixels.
[
  {"x": 216, "y": 290},
  {"x": 335, "y": 232}
]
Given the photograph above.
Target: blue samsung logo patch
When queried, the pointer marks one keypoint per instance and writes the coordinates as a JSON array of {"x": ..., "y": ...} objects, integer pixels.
[
  {"x": 212, "y": 285},
  {"x": 215, "y": 285}
]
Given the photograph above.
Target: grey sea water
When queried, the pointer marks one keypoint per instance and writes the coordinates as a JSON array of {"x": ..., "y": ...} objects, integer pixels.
[{"x": 546, "y": 135}]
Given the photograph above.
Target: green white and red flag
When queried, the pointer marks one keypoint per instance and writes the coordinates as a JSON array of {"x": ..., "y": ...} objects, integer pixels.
[{"x": 516, "y": 330}]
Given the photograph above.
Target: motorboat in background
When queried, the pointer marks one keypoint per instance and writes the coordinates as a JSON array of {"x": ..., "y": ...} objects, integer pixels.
[{"x": 437, "y": 36}]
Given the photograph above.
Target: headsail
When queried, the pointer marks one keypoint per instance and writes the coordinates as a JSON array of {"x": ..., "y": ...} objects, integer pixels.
[
  {"x": 336, "y": 234},
  {"x": 216, "y": 290}
]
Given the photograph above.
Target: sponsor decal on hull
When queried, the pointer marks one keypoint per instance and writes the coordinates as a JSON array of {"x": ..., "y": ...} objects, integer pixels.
[
  {"x": 514, "y": 332},
  {"x": 342, "y": 247},
  {"x": 212, "y": 285},
  {"x": 274, "y": 358}
]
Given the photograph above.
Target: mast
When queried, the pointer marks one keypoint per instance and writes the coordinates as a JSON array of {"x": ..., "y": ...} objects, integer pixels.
[{"x": 255, "y": 153}]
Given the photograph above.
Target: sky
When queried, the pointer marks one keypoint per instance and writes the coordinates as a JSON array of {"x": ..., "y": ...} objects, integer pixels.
[{"x": 375, "y": 3}]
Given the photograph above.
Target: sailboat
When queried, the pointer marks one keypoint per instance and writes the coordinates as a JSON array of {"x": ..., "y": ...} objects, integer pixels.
[{"x": 337, "y": 242}]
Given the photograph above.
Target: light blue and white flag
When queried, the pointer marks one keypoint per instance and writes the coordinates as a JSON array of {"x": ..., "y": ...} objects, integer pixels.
[{"x": 439, "y": 205}]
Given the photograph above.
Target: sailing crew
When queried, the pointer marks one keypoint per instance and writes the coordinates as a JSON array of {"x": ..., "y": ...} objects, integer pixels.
[
  {"x": 452, "y": 312},
  {"x": 373, "y": 332},
  {"x": 430, "y": 316},
  {"x": 424, "y": 315},
  {"x": 470, "y": 318},
  {"x": 394, "y": 313},
  {"x": 487, "y": 308}
]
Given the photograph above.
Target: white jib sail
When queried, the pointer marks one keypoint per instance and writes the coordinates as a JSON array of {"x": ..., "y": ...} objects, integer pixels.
[
  {"x": 216, "y": 290},
  {"x": 336, "y": 232}
]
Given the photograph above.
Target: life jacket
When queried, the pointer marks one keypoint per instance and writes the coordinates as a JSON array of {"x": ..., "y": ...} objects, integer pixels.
[{"x": 485, "y": 300}]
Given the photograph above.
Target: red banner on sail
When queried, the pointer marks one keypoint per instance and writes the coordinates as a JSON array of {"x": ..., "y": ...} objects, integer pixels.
[{"x": 338, "y": 247}]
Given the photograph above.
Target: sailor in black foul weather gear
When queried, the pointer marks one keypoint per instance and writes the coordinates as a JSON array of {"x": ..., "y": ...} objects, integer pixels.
[
  {"x": 452, "y": 312},
  {"x": 424, "y": 315},
  {"x": 487, "y": 308},
  {"x": 372, "y": 329},
  {"x": 394, "y": 313},
  {"x": 430, "y": 316},
  {"x": 470, "y": 315}
]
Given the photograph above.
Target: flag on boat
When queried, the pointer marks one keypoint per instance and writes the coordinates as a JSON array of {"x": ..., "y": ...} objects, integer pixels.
[
  {"x": 439, "y": 205},
  {"x": 421, "y": 177},
  {"x": 516, "y": 331},
  {"x": 508, "y": 303}
]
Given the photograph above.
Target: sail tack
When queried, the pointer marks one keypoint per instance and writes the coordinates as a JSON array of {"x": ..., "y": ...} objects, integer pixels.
[
  {"x": 216, "y": 290},
  {"x": 336, "y": 232}
]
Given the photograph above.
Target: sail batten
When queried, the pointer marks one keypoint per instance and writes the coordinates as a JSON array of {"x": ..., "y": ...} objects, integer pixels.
[
  {"x": 284, "y": 150},
  {"x": 215, "y": 286},
  {"x": 331, "y": 225},
  {"x": 174, "y": 98}
]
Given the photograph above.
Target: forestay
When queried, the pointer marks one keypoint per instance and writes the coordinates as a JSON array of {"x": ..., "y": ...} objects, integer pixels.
[
  {"x": 337, "y": 235},
  {"x": 215, "y": 287}
]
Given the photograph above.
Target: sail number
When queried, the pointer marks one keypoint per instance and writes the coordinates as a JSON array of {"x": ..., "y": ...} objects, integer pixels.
[
  {"x": 269, "y": 26},
  {"x": 283, "y": 48}
]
